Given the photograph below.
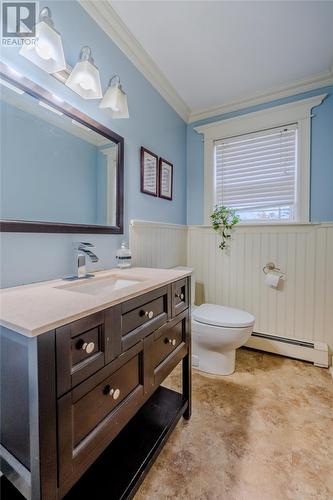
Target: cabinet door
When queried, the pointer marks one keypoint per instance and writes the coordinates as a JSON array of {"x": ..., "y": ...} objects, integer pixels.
[{"x": 91, "y": 415}]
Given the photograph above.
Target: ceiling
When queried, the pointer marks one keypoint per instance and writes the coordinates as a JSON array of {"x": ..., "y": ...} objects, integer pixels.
[{"x": 216, "y": 53}]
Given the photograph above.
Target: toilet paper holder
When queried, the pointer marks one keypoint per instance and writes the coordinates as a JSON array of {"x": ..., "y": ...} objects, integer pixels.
[{"x": 270, "y": 266}]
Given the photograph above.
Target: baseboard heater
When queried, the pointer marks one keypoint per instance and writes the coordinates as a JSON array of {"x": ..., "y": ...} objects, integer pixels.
[{"x": 315, "y": 352}]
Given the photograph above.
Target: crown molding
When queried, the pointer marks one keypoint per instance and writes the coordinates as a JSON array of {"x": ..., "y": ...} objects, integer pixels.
[
  {"x": 315, "y": 82},
  {"x": 268, "y": 117},
  {"x": 107, "y": 18}
]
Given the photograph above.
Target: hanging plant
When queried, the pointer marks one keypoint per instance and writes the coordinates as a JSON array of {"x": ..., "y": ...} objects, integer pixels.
[{"x": 223, "y": 220}]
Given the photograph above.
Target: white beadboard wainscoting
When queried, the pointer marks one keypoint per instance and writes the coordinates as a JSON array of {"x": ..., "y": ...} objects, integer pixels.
[
  {"x": 300, "y": 311},
  {"x": 158, "y": 245}
]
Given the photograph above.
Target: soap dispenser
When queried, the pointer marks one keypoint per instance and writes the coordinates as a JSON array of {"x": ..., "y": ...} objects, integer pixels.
[{"x": 124, "y": 256}]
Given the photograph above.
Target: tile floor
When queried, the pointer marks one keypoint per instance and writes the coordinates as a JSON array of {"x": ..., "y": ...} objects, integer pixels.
[{"x": 263, "y": 433}]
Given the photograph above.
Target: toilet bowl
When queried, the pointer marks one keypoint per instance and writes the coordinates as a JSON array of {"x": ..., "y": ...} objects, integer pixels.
[{"x": 217, "y": 331}]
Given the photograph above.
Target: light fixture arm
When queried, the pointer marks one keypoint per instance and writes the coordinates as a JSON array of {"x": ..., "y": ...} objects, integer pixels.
[
  {"x": 86, "y": 55},
  {"x": 114, "y": 77},
  {"x": 45, "y": 16}
]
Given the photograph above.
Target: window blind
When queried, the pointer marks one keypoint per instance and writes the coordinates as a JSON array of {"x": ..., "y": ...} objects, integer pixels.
[{"x": 257, "y": 170}]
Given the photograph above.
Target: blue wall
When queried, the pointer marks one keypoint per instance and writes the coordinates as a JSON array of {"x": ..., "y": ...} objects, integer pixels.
[
  {"x": 321, "y": 201},
  {"x": 152, "y": 123}
]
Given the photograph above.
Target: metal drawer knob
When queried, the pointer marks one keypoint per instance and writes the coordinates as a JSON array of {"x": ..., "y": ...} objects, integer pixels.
[
  {"x": 116, "y": 394},
  {"x": 149, "y": 314},
  {"x": 113, "y": 393},
  {"x": 88, "y": 347},
  {"x": 170, "y": 341},
  {"x": 180, "y": 296}
]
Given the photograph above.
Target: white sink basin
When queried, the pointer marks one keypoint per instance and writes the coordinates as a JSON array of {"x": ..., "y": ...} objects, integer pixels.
[{"x": 99, "y": 286}]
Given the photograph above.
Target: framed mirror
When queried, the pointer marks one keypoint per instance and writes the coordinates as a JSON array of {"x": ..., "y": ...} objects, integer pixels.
[{"x": 61, "y": 171}]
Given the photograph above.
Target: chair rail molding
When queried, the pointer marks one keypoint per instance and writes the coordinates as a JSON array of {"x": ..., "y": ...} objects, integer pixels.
[{"x": 296, "y": 112}]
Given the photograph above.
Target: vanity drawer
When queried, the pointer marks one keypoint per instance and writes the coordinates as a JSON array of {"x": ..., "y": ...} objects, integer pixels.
[
  {"x": 92, "y": 408},
  {"x": 142, "y": 315},
  {"x": 166, "y": 340},
  {"x": 180, "y": 296},
  {"x": 165, "y": 354},
  {"x": 92, "y": 414},
  {"x": 85, "y": 346}
]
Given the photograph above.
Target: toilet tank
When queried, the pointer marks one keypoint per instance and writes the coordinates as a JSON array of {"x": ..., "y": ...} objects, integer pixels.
[{"x": 190, "y": 270}]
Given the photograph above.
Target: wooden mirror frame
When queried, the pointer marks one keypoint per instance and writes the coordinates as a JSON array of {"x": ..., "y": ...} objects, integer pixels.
[{"x": 21, "y": 226}]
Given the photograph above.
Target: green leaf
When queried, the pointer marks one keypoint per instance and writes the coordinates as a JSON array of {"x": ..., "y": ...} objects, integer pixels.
[{"x": 223, "y": 220}]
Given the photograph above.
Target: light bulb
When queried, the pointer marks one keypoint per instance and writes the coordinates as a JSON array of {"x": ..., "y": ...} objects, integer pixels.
[
  {"x": 86, "y": 82},
  {"x": 44, "y": 50}
]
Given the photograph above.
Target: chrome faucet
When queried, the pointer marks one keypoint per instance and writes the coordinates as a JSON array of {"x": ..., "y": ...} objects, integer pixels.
[{"x": 81, "y": 249}]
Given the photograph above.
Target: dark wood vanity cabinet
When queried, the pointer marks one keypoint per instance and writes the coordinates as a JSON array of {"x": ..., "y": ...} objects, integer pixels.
[{"x": 67, "y": 394}]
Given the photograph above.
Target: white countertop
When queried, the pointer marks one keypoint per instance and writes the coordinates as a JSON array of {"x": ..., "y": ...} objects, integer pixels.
[{"x": 40, "y": 307}]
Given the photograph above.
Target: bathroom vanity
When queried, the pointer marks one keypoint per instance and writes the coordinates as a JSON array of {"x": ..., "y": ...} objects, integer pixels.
[{"x": 82, "y": 364}]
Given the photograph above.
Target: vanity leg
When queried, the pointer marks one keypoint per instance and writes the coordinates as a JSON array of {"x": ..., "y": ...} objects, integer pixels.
[
  {"x": 43, "y": 417},
  {"x": 187, "y": 371},
  {"x": 187, "y": 386},
  {"x": 28, "y": 388}
]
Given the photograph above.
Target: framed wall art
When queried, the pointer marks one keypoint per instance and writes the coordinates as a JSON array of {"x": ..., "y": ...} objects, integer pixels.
[
  {"x": 149, "y": 172},
  {"x": 165, "y": 179}
]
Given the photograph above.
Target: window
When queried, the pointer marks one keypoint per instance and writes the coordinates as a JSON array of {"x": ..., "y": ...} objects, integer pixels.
[
  {"x": 259, "y": 163},
  {"x": 256, "y": 174}
]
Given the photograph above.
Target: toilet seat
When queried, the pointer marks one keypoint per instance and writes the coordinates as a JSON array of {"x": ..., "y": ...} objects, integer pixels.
[{"x": 215, "y": 315}]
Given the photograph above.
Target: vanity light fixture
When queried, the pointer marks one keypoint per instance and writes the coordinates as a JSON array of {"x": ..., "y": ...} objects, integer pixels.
[
  {"x": 84, "y": 78},
  {"x": 47, "y": 52},
  {"x": 115, "y": 99}
]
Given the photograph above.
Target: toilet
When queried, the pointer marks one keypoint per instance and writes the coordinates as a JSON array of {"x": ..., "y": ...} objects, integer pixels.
[{"x": 217, "y": 331}]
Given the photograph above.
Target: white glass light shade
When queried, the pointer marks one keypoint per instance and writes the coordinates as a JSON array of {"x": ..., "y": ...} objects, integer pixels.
[
  {"x": 115, "y": 99},
  {"x": 85, "y": 80},
  {"x": 47, "y": 51},
  {"x": 112, "y": 98},
  {"x": 123, "y": 107}
]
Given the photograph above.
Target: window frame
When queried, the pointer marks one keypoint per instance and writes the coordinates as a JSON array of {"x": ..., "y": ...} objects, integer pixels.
[{"x": 298, "y": 112}]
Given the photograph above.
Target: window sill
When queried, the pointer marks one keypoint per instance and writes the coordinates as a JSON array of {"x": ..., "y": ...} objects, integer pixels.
[{"x": 267, "y": 224}]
